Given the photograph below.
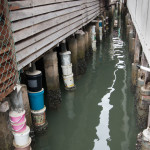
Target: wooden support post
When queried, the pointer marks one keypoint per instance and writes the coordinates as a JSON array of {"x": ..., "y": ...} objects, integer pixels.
[
  {"x": 97, "y": 30},
  {"x": 86, "y": 44},
  {"x": 90, "y": 51},
  {"x": 128, "y": 30},
  {"x": 63, "y": 46},
  {"x": 6, "y": 137},
  {"x": 137, "y": 50},
  {"x": 52, "y": 79},
  {"x": 80, "y": 35}
]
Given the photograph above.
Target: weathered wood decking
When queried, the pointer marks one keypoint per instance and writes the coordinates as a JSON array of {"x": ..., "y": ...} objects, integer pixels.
[{"x": 39, "y": 25}]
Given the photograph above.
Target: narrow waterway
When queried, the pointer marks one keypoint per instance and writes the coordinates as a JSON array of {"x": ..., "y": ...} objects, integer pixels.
[{"x": 99, "y": 114}]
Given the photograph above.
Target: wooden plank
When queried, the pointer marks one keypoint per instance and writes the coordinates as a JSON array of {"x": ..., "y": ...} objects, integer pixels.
[
  {"x": 42, "y": 35},
  {"x": 49, "y": 46},
  {"x": 38, "y": 19},
  {"x": 34, "y": 11},
  {"x": 29, "y": 3},
  {"x": 38, "y": 45},
  {"x": 30, "y": 41},
  {"x": 27, "y": 32}
]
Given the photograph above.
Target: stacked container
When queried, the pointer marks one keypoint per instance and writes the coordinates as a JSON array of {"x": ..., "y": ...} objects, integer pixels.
[
  {"x": 67, "y": 69},
  {"x": 20, "y": 130},
  {"x": 101, "y": 29},
  {"x": 36, "y": 97},
  {"x": 94, "y": 38}
]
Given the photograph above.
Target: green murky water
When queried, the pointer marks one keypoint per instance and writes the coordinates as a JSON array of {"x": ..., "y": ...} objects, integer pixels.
[{"x": 99, "y": 115}]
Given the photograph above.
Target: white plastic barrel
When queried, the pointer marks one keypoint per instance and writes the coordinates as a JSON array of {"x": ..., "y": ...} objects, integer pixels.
[
  {"x": 93, "y": 33},
  {"x": 69, "y": 81},
  {"x": 22, "y": 139},
  {"x": 65, "y": 58},
  {"x": 25, "y": 147},
  {"x": 67, "y": 70}
]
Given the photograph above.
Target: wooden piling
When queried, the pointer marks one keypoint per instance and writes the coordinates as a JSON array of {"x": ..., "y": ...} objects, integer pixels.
[
  {"x": 80, "y": 35},
  {"x": 52, "y": 79}
]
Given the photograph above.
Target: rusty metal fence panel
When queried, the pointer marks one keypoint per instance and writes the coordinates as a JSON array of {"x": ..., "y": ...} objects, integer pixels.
[{"x": 8, "y": 65}]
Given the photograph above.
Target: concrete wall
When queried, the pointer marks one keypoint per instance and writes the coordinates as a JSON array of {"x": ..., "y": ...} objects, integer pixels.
[{"x": 140, "y": 14}]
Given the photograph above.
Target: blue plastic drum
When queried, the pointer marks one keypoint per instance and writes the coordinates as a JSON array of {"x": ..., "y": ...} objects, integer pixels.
[
  {"x": 36, "y": 99},
  {"x": 100, "y": 23}
]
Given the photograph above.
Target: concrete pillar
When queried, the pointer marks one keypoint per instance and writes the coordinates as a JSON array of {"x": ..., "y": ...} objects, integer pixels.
[
  {"x": 80, "y": 35},
  {"x": 142, "y": 115},
  {"x": 112, "y": 10},
  {"x": 136, "y": 54},
  {"x": 63, "y": 47},
  {"x": 52, "y": 79},
  {"x": 134, "y": 74},
  {"x": 131, "y": 44},
  {"x": 128, "y": 30},
  {"x": 137, "y": 50},
  {"x": 143, "y": 106},
  {"x": 97, "y": 30},
  {"x": 126, "y": 18},
  {"x": 6, "y": 137},
  {"x": 120, "y": 7},
  {"x": 89, "y": 30},
  {"x": 72, "y": 45},
  {"x": 86, "y": 44}
]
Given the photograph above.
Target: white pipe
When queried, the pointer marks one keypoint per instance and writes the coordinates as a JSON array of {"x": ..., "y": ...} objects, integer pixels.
[{"x": 143, "y": 68}]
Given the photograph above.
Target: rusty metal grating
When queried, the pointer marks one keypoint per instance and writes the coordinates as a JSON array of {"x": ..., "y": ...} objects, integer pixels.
[{"x": 8, "y": 65}]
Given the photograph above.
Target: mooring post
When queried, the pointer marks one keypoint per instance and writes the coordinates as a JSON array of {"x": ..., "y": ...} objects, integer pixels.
[
  {"x": 144, "y": 96},
  {"x": 128, "y": 30},
  {"x": 80, "y": 35},
  {"x": 63, "y": 46},
  {"x": 72, "y": 45},
  {"x": 86, "y": 44},
  {"x": 52, "y": 79},
  {"x": 6, "y": 136},
  {"x": 89, "y": 30},
  {"x": 131, "y": 43},
  {"x": 97, "y": 30},
  {"x": 136, "y": 61}
]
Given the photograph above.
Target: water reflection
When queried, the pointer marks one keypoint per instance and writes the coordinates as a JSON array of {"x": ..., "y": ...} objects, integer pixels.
[
  {"x": 103, "y": 131},
  {"x": 103, "y": 127},
  {"x": 69, "y": 101},
  {"x": 94, "y": 61}
]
